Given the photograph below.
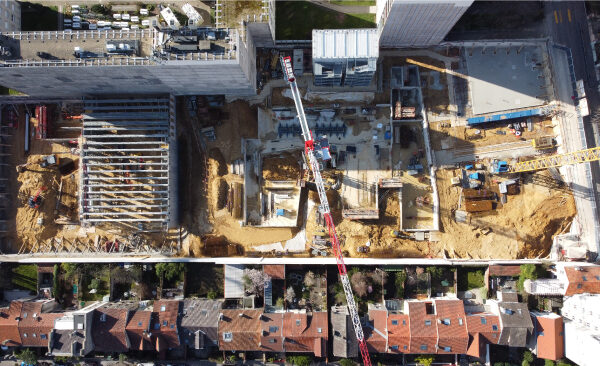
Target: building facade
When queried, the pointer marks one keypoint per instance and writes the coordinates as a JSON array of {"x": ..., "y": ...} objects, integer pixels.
[
  {"x": 10, "y": 16},
  {"x": 411, "y": 23}
]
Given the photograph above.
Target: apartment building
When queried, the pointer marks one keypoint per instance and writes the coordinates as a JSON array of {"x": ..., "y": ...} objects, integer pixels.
[{"x": 10, "y": 16}]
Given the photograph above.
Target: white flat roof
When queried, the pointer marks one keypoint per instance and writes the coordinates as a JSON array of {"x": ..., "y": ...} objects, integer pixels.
[{"x": 345, "y": 43}]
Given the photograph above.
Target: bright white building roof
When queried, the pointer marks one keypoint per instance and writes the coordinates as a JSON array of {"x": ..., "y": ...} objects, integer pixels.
[{"x": 345, "y": 43}]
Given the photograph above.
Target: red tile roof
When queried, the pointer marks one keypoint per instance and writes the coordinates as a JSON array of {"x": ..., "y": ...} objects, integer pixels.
[
  {"x": 476, "y": 345},
  {"x": 275, "y": 271},
  {"x": 504, "y": 270},
  {"x": 35, "y": 326},
  {"x": 271, "y": 338},
  {"x": 163, "y": 325},
  {"x": 423, "y": 328},
  {"x": 484, "y": 324},
  {"x": 306, "y": 332},
  {"x": 375, "y": 331},
  {"x": 398, "y": 326},
  {"x": 452, "y": 327},
  {"x": 9, "y": 330},
  {"x": 245, "y": 329},
  {"x": 586, "y": 280},
  {"x": 550, "y": 336},
  {"x": 138, "y": 331},
  {"x": 109, "y": 330}
]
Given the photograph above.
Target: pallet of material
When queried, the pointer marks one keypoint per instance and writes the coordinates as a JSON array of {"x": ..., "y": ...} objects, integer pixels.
[
  {"x": 360, "y": 214},
  {"x": 477, "y": 194},
  {"x": 478, "y": 206}
]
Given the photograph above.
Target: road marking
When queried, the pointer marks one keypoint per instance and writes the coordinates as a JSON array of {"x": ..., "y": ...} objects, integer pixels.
[
  {"x": 569, "y": 14},
  {"x": 555, "y": 17},
  {"x": 560, "y": 15}
]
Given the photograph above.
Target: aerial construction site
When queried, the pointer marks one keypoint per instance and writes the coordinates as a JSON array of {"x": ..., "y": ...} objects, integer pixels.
[{"x": 422, "y": 161}]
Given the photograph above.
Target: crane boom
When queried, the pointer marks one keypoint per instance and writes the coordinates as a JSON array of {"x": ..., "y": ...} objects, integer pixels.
[
  {"x": 286, "y": 63},
  {"x": 576, "y": 157}
]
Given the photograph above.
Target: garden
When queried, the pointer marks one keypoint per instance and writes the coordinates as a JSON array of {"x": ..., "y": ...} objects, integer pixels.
[{"x": 306, "y": 288}]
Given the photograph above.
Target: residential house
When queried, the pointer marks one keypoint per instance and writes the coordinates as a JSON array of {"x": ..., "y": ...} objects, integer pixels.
[
  {"x": 306, "y": 332},
  {"x": 9, "y": 324},
  {"x": 344, "y": 337},
  {"x": 138, "y": 330},
  {"x": 452, "y": 327},
  {"x": 72, "y": 333},
  {"x": 239, "y": 330},
  {"x": 515, "y": 321},
  {"x": 36, "y": 322},
  {"x": 581, "y": 315},
  {"x": 497, "y": 276},
  {"x": 199, "y": 324},
  {"x": 375, "y": 328},
  {"x": 109, "y": 329},
  {"x": 483, "y": 329},
  {"x": 398, "y": 332},
  {"x": 423, "y": 326},
  {"x": 164, "y": 325},
  {"x": 271, "y": 336},
  {"x": 569, "y": 279},
  {"x": 548, "y": 336}
]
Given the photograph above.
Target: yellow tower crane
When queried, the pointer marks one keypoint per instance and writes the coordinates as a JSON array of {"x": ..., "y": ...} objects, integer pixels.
[{"x": 576, "y": 157}]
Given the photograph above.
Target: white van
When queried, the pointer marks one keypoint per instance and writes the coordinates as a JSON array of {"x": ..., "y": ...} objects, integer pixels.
[
  {"x": 92, "y": 26},
  {"x": 77, "y": 19}
]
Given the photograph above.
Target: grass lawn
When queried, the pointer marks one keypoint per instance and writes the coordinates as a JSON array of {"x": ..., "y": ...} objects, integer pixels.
[
  {"x": 354, "y": 2},
  {"x": 37, "y": 17},
  {"x": 25, "y": 277},
  {"x": 296, "y": 20},
  {"x": 8, "y": 91},
  {"x": 470, "y": 278}
]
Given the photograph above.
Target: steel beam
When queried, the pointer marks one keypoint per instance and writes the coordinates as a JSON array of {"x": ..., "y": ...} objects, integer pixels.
[
  {"x": 127, "y": 171},
  {"x": 126, "y": 157},
  {"x": 113, "y": 136},
  {"x": 118, "y": 150},
  {"x": 149, "y": 213},
  {"x": 127, "y": 199},
  {"x": 126, "y": 220},
  {"x": 128, "y": 178},
  {"x": 126, "y": 192},
  {"x": 105, "y": 185}
]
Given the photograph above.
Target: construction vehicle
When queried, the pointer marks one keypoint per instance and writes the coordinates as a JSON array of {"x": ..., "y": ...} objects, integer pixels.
[
  {"x": 45, "y": 162},
  {"x": 542, "y": 143},
  {"x": 36, "y": 200},
  {"x": 312, "y": 148},
  {"x": 499, "y": 166}
]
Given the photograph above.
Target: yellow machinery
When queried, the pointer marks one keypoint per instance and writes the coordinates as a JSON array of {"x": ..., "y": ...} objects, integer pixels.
[
  {"x": 581, "y": 156},
  {"x": 542, "y": 143}
]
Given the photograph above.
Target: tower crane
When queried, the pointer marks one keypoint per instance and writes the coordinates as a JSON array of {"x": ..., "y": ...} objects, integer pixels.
[
  {"x": 576, "y": 157},
  {"x": 309, "y": 148}
]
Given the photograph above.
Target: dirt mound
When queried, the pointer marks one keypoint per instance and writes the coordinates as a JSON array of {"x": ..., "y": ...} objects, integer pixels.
[
  {"x": 284, "y": 166},
  {"x": 220, "y": 189},
  {"x": 216, "y": 162}
]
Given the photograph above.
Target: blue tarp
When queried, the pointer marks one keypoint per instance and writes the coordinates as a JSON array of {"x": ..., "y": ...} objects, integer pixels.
[{"x": 504, "y": 116}]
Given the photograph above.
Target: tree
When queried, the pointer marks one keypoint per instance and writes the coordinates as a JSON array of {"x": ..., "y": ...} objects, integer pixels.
[
  {"x": 563, "y": 363},
  {"x": 549, "y": 363},
  {"x": 95, "y": 284},
  {"x": 360, "y": 284},
  {"x": 211, "y": 294},
  {"x": 527, "y": 358},
  {"x": 424, "y": 360},
  {"x": 169, "y": 271},
  {"x": 255, "y": 280},
  {"x": 28, "y": 356},
  {"x": 528, "y": 272},
  {"x": 279, "y": 302},
  {"x": 399, "y": 282},
  {"x": 122, "y": 358},
  {"x": 300, "y": 360},
  {"x": 347, "y": 362},
  {"x": 310, "y": 279},
  {"x": 435, "y": 271},
  {"x": 56, "y": 282},
  {"x": 290, "y": 294}
]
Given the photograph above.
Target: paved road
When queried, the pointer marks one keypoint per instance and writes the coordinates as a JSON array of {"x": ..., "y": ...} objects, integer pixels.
[{"x": 566, "y": 23}]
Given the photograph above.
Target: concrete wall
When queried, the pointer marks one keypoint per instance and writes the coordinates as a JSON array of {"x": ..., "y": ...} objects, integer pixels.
[
  {"x": 409, "y": 23},
  {"x": 10, "y": 16}
]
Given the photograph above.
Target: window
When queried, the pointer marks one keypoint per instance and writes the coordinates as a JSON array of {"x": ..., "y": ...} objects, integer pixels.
[
  {"x": 319, "y": 330},
  {"x": 337, "y": 333},
  {"x": 483, "y": 321},
  {"x": 579, "y": 285},
  {"x": 273, "y": 329},
  {"x": 298, "y": 322},
  {"x": 423, "y": 347},
  {"x": 597, "y": 278},
  {"x": 43, "y": 336},
  {"x": 102, "y": 317},
  {"x": 446, "y": 321},
  {"x": 272, "y": 341},
  {"x": 394, "y": 322},
  {"x": 403, "y": 322},
  {"x": 227, "y": 337},
  {"x": 584, "y": 278},
  {"x": 157, "y": 326},
  {"x": 394, "y": 348},
  {"x": 204, "y": 312},
  {"x": 24, "y": 315},
  {"x": 163, "y": 308},
  {"x": 460, "y": 321},
  {"x": 165, "y": 323},
  {"x": 139, "y": 324},
  {"x": 447, "y": 349},
  {"x": 172, "y": 326},
  {"x": 494, "y": 327},
  {"x": 427, "y": 322}
]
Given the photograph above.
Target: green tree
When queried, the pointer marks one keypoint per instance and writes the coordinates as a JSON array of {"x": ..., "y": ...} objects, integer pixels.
[
  {"x": 425, "y": 360},
  {"x": 299, "y": 360},
  {"x": 28, "y": 356},
  {"x": 95, "y": 284},
  {"x": 56, "y": 282},
  {"x": 346, "y": 362},
  {"x": 435, "y": 271},
  {"x": 563, "y": 363},
  {"x": 549, "y": 363},
  {"x": 399, "y": 282},
  {"x": 212, "y": 294},
  {"x": 169, "y": 271},
  {"x": 528, "y": 272},
  {"x": 122, "y": 357}
]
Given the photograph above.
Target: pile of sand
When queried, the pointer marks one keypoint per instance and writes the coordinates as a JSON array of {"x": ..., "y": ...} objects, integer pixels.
[{"x": 285, "y": 166}]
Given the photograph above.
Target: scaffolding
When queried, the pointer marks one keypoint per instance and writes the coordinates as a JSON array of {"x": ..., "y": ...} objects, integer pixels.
[{"x": 125, "y": 170}]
